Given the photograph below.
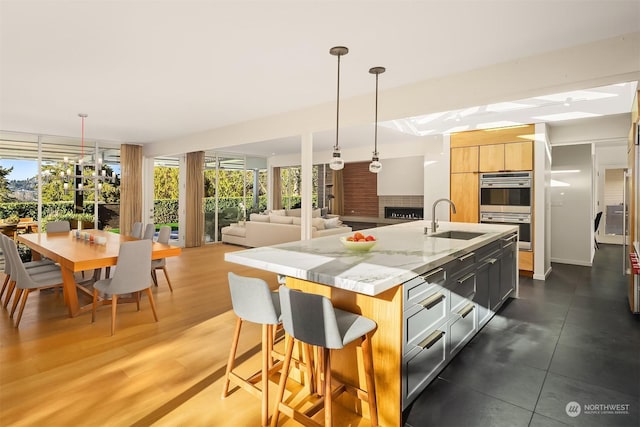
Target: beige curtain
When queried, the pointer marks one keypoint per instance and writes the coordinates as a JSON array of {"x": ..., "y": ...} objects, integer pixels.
[
  {"x": 194, "y": 233},
  {"x": 130, "y": 186},
  {"x": 338, "y": 193},
  {"x": 276, "y": 197}
]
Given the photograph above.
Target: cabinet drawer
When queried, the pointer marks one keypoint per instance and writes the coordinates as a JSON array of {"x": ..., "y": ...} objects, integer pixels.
[
  {"x": 417, "y": 289},
  {"x": 461, "y": 265},
  {"x": 462, "y": 289},
  {"x": 423, "y": 364},
  {"x": 422, "y": 317},
  {"x": 462, "y": 327},
  {"x": 486, "y": 251}
]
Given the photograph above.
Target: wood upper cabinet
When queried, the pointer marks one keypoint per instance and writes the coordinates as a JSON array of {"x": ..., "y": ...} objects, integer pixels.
[
  {"x": 464, "y": 194},
  {"x": 492, "y": 158},
  {"x": 464, "y": 159},
  {"x": 518, "y": 156},
  {"x": 511, "y": 156}
]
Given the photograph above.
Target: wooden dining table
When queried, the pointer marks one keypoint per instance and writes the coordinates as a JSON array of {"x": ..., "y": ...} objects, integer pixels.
[{"x": 75, "y": 255}]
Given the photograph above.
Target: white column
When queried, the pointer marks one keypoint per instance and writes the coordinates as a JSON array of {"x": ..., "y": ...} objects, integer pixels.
[
  {"x": 182, "y": 199},
  {"x": 147, "y": 190},
  {"x": 306, "y": 164}
]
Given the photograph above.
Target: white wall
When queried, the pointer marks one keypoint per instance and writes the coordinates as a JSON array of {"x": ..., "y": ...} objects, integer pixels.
[
  {"x": 542, "y": 205},
  {"x": 436, "y": 176},
  {"x": 571, "y": 206},
  {"x": 402, "y": 177}
]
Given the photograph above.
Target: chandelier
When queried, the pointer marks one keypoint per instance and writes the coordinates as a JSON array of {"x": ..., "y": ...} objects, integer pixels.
[{"x": 80, "y": 176}]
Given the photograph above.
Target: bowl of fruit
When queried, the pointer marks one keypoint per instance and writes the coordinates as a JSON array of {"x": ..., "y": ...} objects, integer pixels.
[{"x": 358, "y": 241}]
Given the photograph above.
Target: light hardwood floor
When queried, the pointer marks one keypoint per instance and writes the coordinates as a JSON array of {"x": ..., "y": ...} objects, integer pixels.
[{"x": 61, "y": 371}]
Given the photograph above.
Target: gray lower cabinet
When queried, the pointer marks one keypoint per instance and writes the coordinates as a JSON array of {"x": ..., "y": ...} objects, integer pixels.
[
  {"x": 487, "y": 287},
  {"x": 444, "y": 308}
]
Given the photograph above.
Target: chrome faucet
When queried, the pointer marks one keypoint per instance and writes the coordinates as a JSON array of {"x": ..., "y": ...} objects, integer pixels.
[{"x": 434, "y": 221}]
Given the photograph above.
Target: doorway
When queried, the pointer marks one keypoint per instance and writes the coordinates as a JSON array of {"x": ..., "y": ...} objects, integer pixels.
[{"x": 611, "y": 226}]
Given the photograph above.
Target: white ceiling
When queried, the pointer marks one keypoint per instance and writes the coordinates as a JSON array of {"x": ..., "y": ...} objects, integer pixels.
[{"x": 146, "y": 71}]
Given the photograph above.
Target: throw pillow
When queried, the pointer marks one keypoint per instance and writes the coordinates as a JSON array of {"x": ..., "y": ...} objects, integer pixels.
[
  {"x": 318, "y": 223},
  {"x": 316, "y": 213},
  {"x": 280, "y": 212},
  {"x": 279, "y": 219},
  {"x": 296, "y": 220},
  {"x": 332, "y": 223},
  {"x": 258, "y": 218}
]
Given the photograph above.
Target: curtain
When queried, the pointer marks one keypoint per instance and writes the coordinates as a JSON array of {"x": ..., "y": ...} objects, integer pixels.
[
  {"x": 194, "y": 232},
  {"x": 338, "y": 193},
  {"x": 276, "y": 197},
  {"x": 130, "y": 186}
]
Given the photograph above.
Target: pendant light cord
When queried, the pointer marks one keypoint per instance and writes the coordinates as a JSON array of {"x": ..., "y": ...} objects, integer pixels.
[
  {"x": 375, "y": 138},
  {"x": 337, "y": 146}
]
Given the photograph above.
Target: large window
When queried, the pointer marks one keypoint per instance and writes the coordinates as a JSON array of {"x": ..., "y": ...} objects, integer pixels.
[
  {"x": 291, "y": 181},
  {"x": 69, "y": 176},
  {"x": 235, "y": 186}
]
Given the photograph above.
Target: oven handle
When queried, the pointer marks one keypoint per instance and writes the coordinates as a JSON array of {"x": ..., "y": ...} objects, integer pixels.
[{"x": 507, "y": 220}]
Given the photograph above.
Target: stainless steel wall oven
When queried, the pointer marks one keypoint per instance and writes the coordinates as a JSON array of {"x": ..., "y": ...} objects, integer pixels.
[
  {"x": 505, "y": 198},
  {"x": 505, "y": 192}
]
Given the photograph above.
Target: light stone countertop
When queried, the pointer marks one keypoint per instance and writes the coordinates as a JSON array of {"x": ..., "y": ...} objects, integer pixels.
[{"x": 402, "y": 252}]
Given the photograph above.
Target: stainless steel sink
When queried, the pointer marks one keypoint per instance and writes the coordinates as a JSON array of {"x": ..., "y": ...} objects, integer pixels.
[{"x": 456, "y": 234}]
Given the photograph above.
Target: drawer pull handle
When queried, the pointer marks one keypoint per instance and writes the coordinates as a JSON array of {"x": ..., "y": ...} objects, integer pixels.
[
  {"x": 469, "y": 255},
  {"x": 434, "y": 299},
  {"x": 492, "y": 261},
  {"x": 426, "y": 276},
  {"x": 507, "y": 245},
  {"x": 510, "y": 238},
  {"x": 465, "y": 278},
  {"x": 429, "y": 341},
  {"x": 465, "y": 311}
]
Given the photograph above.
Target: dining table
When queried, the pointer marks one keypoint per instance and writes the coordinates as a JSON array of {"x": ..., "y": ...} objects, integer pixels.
[{"x": 76, "y": 254}]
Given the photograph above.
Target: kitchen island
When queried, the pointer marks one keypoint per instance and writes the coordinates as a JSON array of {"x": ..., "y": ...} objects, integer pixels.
[{"x": 429, "y": 294}]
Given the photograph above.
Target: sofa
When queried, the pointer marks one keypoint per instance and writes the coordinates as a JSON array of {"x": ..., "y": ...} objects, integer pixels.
[{"x": 279, "y": 227}]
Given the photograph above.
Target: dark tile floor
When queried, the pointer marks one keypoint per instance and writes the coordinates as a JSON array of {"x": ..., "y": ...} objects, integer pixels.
[{"x": 570, "y": 338}]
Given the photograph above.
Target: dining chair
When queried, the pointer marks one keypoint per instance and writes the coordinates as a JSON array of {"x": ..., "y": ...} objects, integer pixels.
[
  {"x": 136, "y": 230},
  {"x": 58, "y": 226},
  {"x": 161, "y": 264},
  {"x": 149, "y": 231},
  {"x": 596, "y": 225},
  {"x": 29, "y": 280},
  {"x": 312, "y": 319},
  {"x": 34, "y": 267},
  {"x": 131, "y": 277}
]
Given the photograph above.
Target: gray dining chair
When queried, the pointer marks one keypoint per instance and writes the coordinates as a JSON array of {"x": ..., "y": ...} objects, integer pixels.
[
  {"x": 35, "y": 267},
  {"x": 161, "y": 264},
  {"x": 131, "y": 277},
  {"x": 149, "y": 231},
  {"x": 58, "y": 226},
  {"x": 29, "y": 280},
  {"x": 312, "y": 319},
  {"x": 136, "y": 230}
]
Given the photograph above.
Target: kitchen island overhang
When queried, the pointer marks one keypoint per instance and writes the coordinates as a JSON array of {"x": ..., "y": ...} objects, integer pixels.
[{"x": 402, "y": 252}]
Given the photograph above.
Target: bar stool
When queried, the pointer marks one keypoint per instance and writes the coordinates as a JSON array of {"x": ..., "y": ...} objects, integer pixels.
[
  {"x": 253, "y": 301},
  {"x": 312, "y": 319}
]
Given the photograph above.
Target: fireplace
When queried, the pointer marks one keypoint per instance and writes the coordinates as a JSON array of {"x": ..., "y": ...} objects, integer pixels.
[{"x": 398, "y": 212}]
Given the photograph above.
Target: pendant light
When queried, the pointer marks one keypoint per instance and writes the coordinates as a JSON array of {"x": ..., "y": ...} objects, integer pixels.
[
  {"x": 336, "y": 162},
  {"x": 375, "y": 165}
]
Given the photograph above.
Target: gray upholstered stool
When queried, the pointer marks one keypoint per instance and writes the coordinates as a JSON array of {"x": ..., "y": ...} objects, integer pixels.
[
  {"x": 253, "y": 301},
  {"x": 313, "y": 320}
]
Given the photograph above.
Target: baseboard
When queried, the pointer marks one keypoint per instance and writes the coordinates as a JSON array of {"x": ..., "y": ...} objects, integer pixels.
[
  {"x": 542, "y": 276},
  {"x": 571, "y": 261}
]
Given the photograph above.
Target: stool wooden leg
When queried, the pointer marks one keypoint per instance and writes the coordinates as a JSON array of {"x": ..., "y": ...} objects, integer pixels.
[
  {"x": 266, "y": 361},
  {"x": 328, "y": 400},
  {"x": 367, "y": 356},
  {"x": 283, "y": 379},
  {"x": 308, "y": 366},
  {"x": 232, "y": 357},
  {"x": 16, "y": 299},
  {"x": 4, "y": 285}
]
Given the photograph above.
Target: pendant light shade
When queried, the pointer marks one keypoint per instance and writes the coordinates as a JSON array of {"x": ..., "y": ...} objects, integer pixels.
[
  {"x": 375, "y": 165},
  {"x": 336, "y": 162}
]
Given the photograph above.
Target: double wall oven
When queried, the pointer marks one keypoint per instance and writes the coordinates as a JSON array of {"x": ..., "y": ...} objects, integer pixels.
[{"x": 505, "y": 198}]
